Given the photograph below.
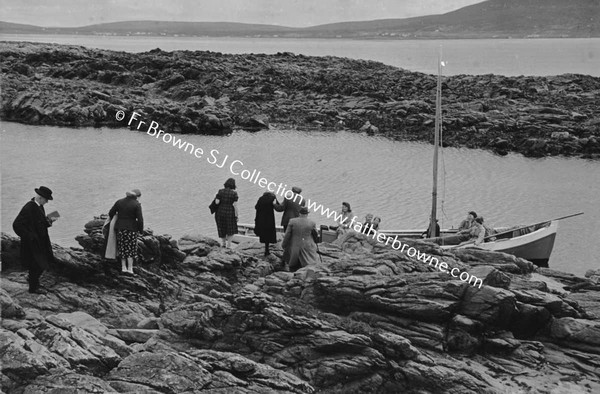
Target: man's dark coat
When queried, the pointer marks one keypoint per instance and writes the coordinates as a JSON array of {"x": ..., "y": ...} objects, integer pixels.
[
  {"x": 32, "y": 226},
  {"x": 264, "y": 222}
]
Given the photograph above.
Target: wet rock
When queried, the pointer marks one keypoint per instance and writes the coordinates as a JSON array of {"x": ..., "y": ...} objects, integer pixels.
[
  {"x": 576, "y": 330},
  {"x": 255, "y": 123},
  {"x": 489, "y": 305},
  {"x": 24, "y": 359},
  {"x": 10, "y": 309},
  {"x": 165, "y": 372},
  {"x": 66, "y": 381}
]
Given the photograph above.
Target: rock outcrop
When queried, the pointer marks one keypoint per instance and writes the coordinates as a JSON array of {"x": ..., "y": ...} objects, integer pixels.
[
  {"x": 370, "y": 321},
  {"x": 213, "y": 93}
]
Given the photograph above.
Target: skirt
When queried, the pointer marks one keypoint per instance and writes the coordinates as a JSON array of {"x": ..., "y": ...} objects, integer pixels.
[{"x": 127, "y": 243}]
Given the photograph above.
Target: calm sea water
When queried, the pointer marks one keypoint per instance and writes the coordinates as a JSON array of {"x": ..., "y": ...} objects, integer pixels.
[
  {"x": 502, "y": 56},
  {"x": 88, "y": 169}
]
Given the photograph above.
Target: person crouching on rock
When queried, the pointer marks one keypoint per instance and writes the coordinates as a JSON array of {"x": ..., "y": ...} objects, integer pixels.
[
  {"x": 31, "y": 224},
  {"x": 227, "y": 212},
  {"x": 129, "y": 223},
  {"x": 264, "y": 222},
  {"x": 299, "y": 246}
]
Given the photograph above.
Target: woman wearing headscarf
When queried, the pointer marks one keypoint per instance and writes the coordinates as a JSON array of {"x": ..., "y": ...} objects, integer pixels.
[
  {"x": 264, "y": 222},
  {"x": 129, "y": 224},
  {"x": 227, "y": 213}
]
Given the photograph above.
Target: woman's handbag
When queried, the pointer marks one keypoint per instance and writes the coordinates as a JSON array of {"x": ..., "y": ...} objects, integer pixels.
[
  {"x": 111, "y": 238},
  {"x": 213, "y": 206}
]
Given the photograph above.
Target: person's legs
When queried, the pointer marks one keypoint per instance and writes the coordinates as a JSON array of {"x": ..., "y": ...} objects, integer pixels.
[
  {"x": 34, "y": 277},
  {"x": 130, "y": 265},
  {"x": 223, "y": 242},
  {"x": 229, "y": 241},
  {"x": 123, "y": 265},
  {"x": 266, "y": 248}
]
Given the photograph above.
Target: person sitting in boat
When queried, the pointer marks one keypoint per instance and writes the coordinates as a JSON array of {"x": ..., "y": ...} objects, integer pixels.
[
  {"x": 476, "y": 232},
  {"x": 489, "y": 231},
  {"x": 376, "y": 221},
  {"x": 345, "y": 219},
  {"x": 466, "y": 224},
  {"x": 368, "y": 220}
]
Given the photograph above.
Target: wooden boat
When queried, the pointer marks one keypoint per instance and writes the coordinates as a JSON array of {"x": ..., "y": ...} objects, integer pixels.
[
  {"x": 534, "y": 242},
  {"x": 535, "y": 246}
]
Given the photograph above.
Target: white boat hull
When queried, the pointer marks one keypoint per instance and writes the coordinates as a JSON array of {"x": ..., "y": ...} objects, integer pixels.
[{"x": 535, "y": 246}]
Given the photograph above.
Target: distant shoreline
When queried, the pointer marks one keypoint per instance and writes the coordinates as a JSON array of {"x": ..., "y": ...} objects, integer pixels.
[{"x": 475, "y": 36}]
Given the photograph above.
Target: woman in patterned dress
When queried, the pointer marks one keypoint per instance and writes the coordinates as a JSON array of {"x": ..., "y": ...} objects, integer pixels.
[
  {"x": 129, "y": 223},
  {"x": 227, "y": 213}
]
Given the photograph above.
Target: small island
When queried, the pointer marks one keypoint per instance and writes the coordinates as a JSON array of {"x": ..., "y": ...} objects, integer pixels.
[{"x": 200, "y": 92}]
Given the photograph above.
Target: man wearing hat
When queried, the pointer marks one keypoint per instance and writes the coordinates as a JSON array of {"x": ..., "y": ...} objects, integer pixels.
[
  {"x": 32, "y": 226},
  {"x": 299, "y": 247},
  {"x": 290, "y": 206}
]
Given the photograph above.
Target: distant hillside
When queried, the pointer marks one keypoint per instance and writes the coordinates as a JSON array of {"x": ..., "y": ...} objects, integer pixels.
[
  {"x": 492, "y": 18},
  {"x": 155, "y": 28},
  {"x": 16, "y": 28},
  {"x": 184, "y": 28},
  {"x": 489, "y": 19}
]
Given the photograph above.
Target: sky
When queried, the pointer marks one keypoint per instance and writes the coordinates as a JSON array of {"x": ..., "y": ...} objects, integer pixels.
[{"x": 293, "y": 13}]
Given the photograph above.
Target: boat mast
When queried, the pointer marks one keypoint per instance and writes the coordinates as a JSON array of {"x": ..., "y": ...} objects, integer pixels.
[{"x": 436, "y": 143}]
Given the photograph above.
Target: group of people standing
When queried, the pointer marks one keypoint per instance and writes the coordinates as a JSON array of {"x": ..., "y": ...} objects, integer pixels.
[
  {"x": 299, "y": 245},
  {"x": 126, "y": 222}
]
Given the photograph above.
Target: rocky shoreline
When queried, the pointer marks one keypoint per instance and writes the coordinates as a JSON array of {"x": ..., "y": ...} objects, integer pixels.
[
  {"x": 213, "y": 93},
  {"x": 368, "y": 319}
]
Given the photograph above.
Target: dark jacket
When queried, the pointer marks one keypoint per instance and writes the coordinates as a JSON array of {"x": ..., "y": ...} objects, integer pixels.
[
  {"x": 290, "y": 208},
  {"x": 264, "y": 222},
  {"x": 130, "y": 214},
  {"x": 32, "y": 225}
]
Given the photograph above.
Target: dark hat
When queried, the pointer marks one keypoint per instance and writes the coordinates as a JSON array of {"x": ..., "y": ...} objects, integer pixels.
[
  {"x": 473, "y": 213},
  {"x": 303, "y": 211},
  {"x": 297, "y": 190},
  {"x": 44, "y": 192}
]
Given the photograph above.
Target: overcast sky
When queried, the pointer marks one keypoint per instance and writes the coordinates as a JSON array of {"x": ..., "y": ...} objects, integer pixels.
[{"x": 294, "y": 13}]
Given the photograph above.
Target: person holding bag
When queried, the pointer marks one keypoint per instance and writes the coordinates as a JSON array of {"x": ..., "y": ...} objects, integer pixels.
[{"x": 128, "y": 224}]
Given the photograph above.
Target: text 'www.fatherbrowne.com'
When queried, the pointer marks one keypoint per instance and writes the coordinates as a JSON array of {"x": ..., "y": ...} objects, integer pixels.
[{"x": 236, "y": 167}]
